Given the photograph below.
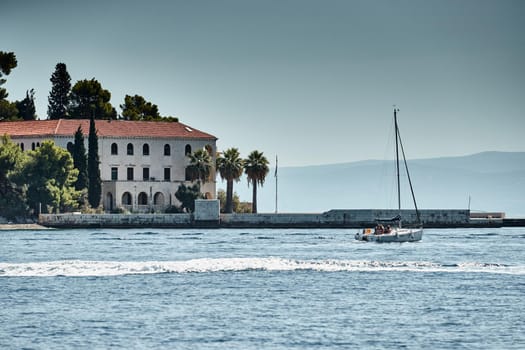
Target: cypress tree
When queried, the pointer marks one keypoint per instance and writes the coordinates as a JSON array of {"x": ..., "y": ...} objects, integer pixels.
[
  {"x": 26, "y": 107},
  {"x": 94, "y": 181},
  {"x": 59, "y": 94},
  {"x": 80, "y": 160}
]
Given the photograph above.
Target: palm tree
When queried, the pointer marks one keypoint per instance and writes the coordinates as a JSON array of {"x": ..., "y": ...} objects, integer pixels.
[
  {"x": 200, "y": 166},
  {"x": 256, "y": 168},
  {"x": 230, "y": 167}
]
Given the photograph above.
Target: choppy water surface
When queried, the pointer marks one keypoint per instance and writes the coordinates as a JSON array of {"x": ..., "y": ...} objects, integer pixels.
[{"x": 253, "y": 289}]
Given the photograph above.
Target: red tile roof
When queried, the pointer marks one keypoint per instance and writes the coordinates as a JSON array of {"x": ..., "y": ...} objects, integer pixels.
[{"x": 105, "y": 128}]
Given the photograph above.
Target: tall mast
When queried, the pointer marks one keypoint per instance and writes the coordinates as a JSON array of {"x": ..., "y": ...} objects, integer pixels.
[
  {"x": 276, "y": 179},
  {"x": 397, "y": 165}
]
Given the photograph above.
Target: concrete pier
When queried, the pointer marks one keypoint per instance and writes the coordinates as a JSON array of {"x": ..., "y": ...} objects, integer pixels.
[{"x": 207, "y": 215}]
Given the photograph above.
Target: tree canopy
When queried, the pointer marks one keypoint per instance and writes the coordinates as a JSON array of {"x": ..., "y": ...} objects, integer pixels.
[
  {"x": 187, "y": 196},
  {"x": 12, "y": 199},
  {"x": 8, "y": 110},
  {"x": 50, "y": 176},
  {"x": 7, "y": 63},
  {"x": 137, "y": 108},
  {"x": 89, "y": 99}
]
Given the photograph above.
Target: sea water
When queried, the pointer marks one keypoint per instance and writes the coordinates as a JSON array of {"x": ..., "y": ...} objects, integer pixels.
[{"x": 260, "y": 289}]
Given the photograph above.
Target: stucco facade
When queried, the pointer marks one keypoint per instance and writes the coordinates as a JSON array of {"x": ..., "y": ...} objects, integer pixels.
[{"x": 142, "y": 164}]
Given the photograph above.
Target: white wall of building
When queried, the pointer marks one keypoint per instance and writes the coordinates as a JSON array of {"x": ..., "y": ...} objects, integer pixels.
[{"x": 154, "y": 193}]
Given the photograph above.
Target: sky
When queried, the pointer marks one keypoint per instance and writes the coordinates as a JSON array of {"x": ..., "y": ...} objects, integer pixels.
[{"x": 313, "y": 82}]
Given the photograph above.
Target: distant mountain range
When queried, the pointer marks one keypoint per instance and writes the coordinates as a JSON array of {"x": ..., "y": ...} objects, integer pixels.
[{"x": 494, "y": 181}]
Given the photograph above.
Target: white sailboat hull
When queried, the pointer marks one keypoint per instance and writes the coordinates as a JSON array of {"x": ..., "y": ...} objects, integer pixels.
[{"x": 397, "y": 235}]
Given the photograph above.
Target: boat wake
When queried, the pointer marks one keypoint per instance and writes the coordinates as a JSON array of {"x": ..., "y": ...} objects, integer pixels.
[{"x": 79, "y": 268}]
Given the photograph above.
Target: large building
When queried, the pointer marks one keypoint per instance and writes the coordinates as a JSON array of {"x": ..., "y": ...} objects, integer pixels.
[{"x": 142, "y": 163}]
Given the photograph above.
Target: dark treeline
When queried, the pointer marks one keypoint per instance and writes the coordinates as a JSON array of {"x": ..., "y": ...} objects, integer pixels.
[{"x": 83, "y": 100}]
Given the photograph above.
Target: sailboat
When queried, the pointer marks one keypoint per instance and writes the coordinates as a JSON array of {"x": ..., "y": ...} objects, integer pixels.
[{"x": 397, "y": 233}]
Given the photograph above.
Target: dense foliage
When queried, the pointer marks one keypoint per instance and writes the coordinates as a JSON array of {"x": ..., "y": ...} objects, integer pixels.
[
  {"x": 8, "y": 110},
  {"x": 187, "y": 196},
  {"x": 12, "y": 196},
  {"x": 7, "y": 63},
  {"x": 89, "y": 99},
  {"x": 137, "y": 108},
  {"x": 59, "y": 98},
  {"x": 50, "y": 176}
]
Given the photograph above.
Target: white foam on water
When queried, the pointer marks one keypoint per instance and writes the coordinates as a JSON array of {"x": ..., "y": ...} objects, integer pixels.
[{"x": 81, "y": 268}]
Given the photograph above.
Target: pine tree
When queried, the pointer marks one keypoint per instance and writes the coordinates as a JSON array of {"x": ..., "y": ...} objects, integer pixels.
[
  {"x": 7, "y": 63},
  {"x": 80, "y": 160},
  {"x": 59, "y": 99},
  {"x": 8, "y": 110},
  {"x": 94, "y": 181},
  {"x": 88, "y": 98}
]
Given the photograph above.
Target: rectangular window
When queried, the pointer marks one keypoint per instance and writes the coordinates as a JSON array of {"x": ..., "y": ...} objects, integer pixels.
[
  {"x": 145, "y": 174},
  {"x": 167, "y": 174},
  {"x": 114, "y": 174},
  {"x": 130, "y": 174}
]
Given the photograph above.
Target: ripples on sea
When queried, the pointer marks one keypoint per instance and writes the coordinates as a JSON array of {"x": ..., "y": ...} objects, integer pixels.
[{"x": 253, "y": 289}]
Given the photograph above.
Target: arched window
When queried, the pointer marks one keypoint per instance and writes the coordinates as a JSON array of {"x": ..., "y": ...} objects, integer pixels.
[
  {"x": 126, "y": 198},
  {"x": 158, "y": 199},
  {"x": 187, "y": 150},
  {"x": 130, "y": 149},
  {"x": 70, "y": 147},
  {"x": 143, "y": 198},
  {"x": 33, "y": 146},
  {"x": 22, "y": 146},
  {"x": 114, "y": 149},
  {"x": 38, "y": 144},
  {"x": 145, "y": 150},
  {"x": 167, "y": 150},
  {"x": 208, "y": 149}
]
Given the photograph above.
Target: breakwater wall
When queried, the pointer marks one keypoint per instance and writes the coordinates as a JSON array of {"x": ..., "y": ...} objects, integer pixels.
[
  {"x": 71, "y": 220},
  {"x": 208, "y": 216},
  {"x": 346, "y": 218}
]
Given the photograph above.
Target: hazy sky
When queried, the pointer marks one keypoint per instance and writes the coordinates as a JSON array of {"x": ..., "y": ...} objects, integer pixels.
[{"x": 312, "y": 81}]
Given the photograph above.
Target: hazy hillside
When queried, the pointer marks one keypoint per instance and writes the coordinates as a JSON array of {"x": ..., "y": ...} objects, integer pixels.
[{"x": 494, "y": 180}]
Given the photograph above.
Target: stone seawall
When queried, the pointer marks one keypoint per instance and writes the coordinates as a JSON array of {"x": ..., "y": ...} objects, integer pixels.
[
  {"x": 115, "y": 220},
  {"x": 331, "y": 219},
  {"x": 347, "y": 218}
]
